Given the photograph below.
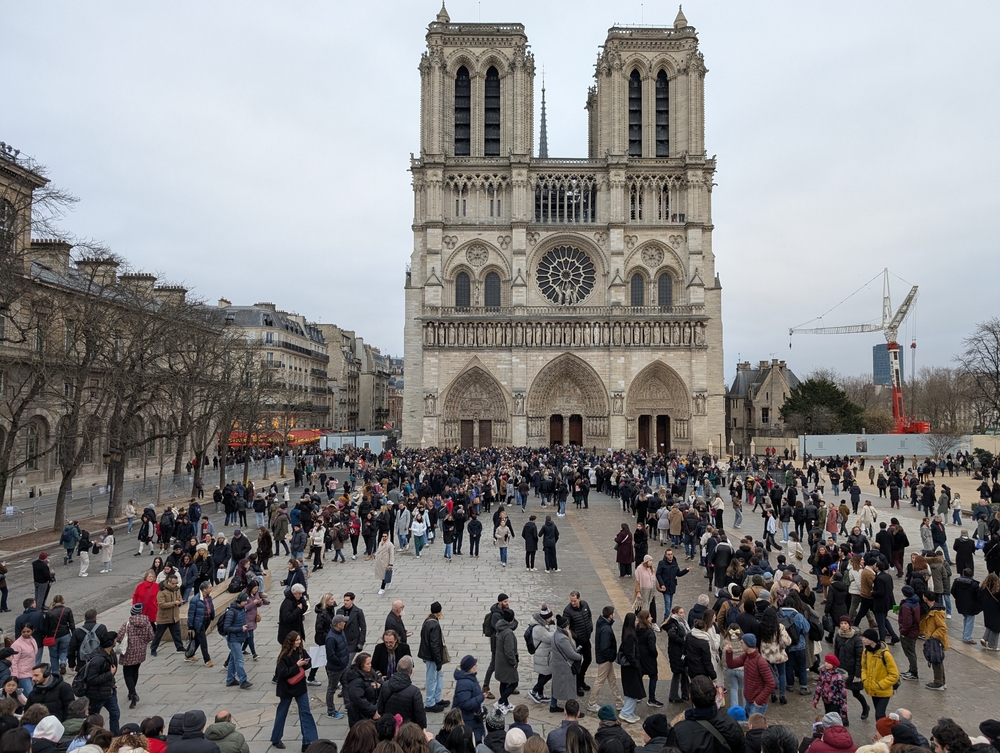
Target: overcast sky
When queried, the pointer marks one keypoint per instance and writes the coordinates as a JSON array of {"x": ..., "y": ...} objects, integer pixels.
[{"x": 259, "y": 151}]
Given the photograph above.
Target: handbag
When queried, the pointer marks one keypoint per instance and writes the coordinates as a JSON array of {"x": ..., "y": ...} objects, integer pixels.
[
  {"x": 297, "y": 677},
  {"x": 122, "y": 646},
  {"x": 50, "y": 640},
  {"x": 445, "y": 656},
  {"x": 621, "y": 660},
  {"x": 387, "y": 577},
  {"x": 257, "y": 617}
]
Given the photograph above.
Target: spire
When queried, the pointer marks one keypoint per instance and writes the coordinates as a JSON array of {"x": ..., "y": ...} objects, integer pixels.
[
  {"x": 680, "y": 22},
  {"x": 543, "y": 140},
  {"x": 442, "y": 16}
]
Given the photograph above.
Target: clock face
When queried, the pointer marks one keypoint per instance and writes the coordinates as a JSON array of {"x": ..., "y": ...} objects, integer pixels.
[
  {"x": 566, "y": 275},
  {"x": 477, "y": 256}
]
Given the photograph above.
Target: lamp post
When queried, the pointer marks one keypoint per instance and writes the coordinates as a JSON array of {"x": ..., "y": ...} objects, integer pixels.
[{"x": 111, "y": 459}]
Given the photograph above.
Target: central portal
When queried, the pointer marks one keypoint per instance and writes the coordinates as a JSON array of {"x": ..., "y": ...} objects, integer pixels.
[{"x": 556, "y": 429}]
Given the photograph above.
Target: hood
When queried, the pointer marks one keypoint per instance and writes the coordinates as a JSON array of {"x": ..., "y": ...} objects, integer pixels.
[
  {"x": 839, "y": 585},
  {"x": 219, "y": 730},
  {"x": 461, "y": 674},
  {"x": 398, "y": 681},
  {"x": 838, "y": 737},
  {"x": 352, "y": 673},
  {"x": 536, "y": 619},
  {"x": 502, "y": 625},
  {"x": 697, "y": 633}
]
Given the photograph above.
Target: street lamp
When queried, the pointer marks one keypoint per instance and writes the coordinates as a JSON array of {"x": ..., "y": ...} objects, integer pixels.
[{"x": 111, "y": 459}]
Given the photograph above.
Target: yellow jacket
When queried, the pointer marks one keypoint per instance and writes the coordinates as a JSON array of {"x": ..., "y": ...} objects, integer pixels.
[
  {"x": 932, "y": 625},
  {"x": 878, "y": 672}
]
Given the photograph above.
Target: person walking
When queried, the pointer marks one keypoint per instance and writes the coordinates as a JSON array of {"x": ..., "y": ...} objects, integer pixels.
[
  {"x": 432, "y": 651},
  {"x": 542, "y": 626},
  {"x": 337, "y": 661},
  {"x": 385, "y": 558},
  {"x": 883, "y": 601},
  {"x": 935, "y": 631},
  {"x": 581, "y": 623},
  {"x": 135, "y": 633},
  {"x": 849, "y": 649},
  {"x": 549, "y": 534},
  {"x": 507, "y": 660},
  {"x": 965, "y": 591},
  {"x": 605, "y": 653},
  {"x": 58, "y": 625},
  {"x": 909, "y": 631},
  {"x": 42, "y": 576},
  {"x": 667, "y": 572},
  {"x": 631, "y": 670},
  {"x": 168, "y": 613},
  {"x": 234, "y": 628},
  {"x": 989, "y": 598},
  {"x": 418, "y": 530},
  {"x": 878, "y": 672},
  {"x": 645, "y": 633},
  {"x": 201, "y": 612},
  {"x": 69, "y": 539},
  {"x": 99, "y": 681},
  {"x": 145, "y": 593},
  {"x": 530, "y": 535},
  {"x": 290, "y": 674},
  {"x": 403, "y": 521},
  {"x": 624, "y": 553}
]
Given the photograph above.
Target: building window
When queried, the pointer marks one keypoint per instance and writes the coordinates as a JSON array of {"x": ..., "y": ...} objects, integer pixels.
[
  {"x": 31, "y": 448},
  {"x": 463, "y": 113},
  {"x": 765, "y": 415},
  {"x": 635, "y": 115},
  {"x": 638, "y": 293},
  {"x": 492, "y": 290},
  {"x": 39, "y": 339},
  {"x": 269, "y": 337},
  {"x": 491, "y": 119},
  {"x": 662, "y": 115},
  {"x": 463, "y": 288},
  {"x": 7, "y": 229},
  {"x": 665, "y": 290}
]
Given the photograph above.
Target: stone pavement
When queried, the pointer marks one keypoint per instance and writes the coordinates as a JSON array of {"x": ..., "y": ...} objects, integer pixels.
[{"x": 467, "y": 587}]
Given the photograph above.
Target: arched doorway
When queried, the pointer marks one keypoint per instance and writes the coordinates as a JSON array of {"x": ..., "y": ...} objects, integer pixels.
[
  {"x": 475, "y": 411},
  {"x": 657, "y": 399},
  {"x": 568, "y": 404}
]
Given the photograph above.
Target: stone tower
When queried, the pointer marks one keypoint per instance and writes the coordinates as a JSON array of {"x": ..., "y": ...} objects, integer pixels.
[{"x": 563, "y": 300}]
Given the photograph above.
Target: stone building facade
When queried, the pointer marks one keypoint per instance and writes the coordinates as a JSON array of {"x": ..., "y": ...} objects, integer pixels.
[
  {"x": 562, "y": 300},
  {"x": 753, "y": 404}
]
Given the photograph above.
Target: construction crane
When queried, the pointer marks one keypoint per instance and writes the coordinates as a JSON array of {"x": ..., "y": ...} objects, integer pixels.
[{"x": 891, "y": 321}]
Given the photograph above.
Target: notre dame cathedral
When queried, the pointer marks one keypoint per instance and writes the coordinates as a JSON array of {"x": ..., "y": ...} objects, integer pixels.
[{"x": 553, "y": 300}]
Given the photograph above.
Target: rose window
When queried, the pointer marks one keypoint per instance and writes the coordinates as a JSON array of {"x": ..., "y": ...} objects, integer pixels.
[{"x": 566, "y": 275}]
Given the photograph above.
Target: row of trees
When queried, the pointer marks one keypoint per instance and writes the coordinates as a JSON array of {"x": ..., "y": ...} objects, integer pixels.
[{"x": 107, "y": 362}]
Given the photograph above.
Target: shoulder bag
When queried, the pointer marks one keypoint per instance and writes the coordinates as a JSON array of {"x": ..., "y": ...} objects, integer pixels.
[{"x": 50, "y": 640}]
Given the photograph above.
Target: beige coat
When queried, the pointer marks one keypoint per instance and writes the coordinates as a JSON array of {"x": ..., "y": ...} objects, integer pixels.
[
  {"x": 168, "y": 612},
  {"x": 385, "y": 556}
]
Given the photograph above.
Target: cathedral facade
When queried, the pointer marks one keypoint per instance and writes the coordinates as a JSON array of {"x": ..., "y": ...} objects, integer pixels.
[{"x": 570, "y": 301}]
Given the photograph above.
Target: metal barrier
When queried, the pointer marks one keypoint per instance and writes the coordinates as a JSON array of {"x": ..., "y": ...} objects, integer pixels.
[{"x": 11, "y": 521}]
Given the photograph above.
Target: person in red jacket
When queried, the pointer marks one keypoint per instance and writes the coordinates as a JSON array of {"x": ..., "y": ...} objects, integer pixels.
[
  {"x": 835, "y": 739},
  {"x": 145, "y": 594},
  {"x": 758, "y": 680}
]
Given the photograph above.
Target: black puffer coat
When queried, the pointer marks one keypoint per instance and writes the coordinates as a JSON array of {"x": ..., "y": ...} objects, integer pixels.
[{"x": 361, "y": 695}]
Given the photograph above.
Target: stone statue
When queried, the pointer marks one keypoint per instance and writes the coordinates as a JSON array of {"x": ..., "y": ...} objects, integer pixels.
[{"x": 430, "y": 404}]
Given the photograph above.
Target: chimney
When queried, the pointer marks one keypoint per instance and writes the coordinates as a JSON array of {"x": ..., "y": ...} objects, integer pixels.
[
  {"x": 51, "y": 253},
  {"x": 267, "y": 305},
  {"x": 763, "y": 365},
  {"x": 139, "y": 283},
  {"x": 102, "y": 272},
  {"x": 171, "y": 295},
  {"x": 225, "y": 303},
  {"x": 744, "y": 366}
]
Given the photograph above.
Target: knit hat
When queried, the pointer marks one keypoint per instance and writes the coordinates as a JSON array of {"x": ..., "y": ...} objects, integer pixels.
[
  {"x": 202, "y": 547},
  {"x": 508, "y": 614},
  {"x": 561, "y": 621},
  {"x": 990, "y": 729},
  {"x": 136, "y": 609},
  {"x": 194, "y": 721},
  {"x": 496, "y": 719},
  {"x": 468, "y": 662},
  {"x": 884, "y": 726},
  {"x": 44, "y": 556},
  {"x": 648, "y": 558},
  {"x": 607, "y": 713},
  {"x": 502, "y": 597},
  {"x": 109, "y": 639},
  {"x": 832, "y": 660},
  {"x": 844, "y": 618},
  {"x": 750, "y": 640},
  {"x": 515, "y": 740},
  {"x": 738, "y": 713},
  {"x": 832, "y": 719},
  {"x": 50, "y": 729},
  {"x": 871, "y": 634},
  {"x": 435, "y": 607},
  {"x": 545, "y": 613},
  {"x": 908, "y": 591},
  {"x": 656, "y": 725}
]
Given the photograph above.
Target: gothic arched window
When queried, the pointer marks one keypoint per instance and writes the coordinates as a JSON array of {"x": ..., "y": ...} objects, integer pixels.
[
  {"x": 491, "y": 120},
  {"x": 662, "y": 115},
  {"x": 638, "y": 291},
  {"x": 463, "y": 113},
  {"x": 491, "y": 291},
  {"x": 635, "y": 115},
  {"x": 665, "y": 290},
  {"x": 463, "y": 291}
]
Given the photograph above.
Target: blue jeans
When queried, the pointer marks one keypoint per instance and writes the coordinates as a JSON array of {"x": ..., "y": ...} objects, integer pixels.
[
  {"x": 736, "y": 681},
  {"x": 690, "y": 544},
  {"x": 947, "y": 603},
  {"x": 956, "y": 517},
  {"x": 562, "y": 506},
  {"x": 114, "y": 713},
  {"x": 58, "y": 652},
  {"x": 522, "y": 500},
  {"x": 778, "y": 670},
  {"x": 753, "y": 708},
  {"x": 130, "y": 521},
  {"x": 796, "y": 665},
  {"x": 401, "y": 540},
  {"x": 447, "y": 551},
  {"x": 967, "y": 626},
  {"x": 503, "y": 554},
  {"x": 668, "y": 603},
  {"x": 784, "y": 529},
  {"x": 26, "y": 685},
  {"x": 236, "y": 671},
  {"x": 434, "y": 684},
  {"x": 628, "y": 708},
  {"x": 305, "y": 719},
  {"x": 259, "y": 519},
  {"x": 739, "y": 517}
]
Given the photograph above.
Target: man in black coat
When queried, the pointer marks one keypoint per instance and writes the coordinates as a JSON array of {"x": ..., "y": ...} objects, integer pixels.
[
  {"x": 398, "y": 695},
  {"x": 50, "y": 689},
  {"x": 965, "y": 590},
  {"x": 690, "y": 734},
  {"x": 605, "y": 653},
  {"x": 581, "y": 623},
  {"x": 193, "y": 738},
  {"x": 394, "y": 620},
  {"x": 99, "y": 682},
  {"x": 965, "y": 550},
  {"x": 241, "y": 547},
  {"x": 356, "y": 629},
  {"x": 885, "y": 541},
  {"x": 883, "y": 601},
  {"x": 550, "y": 535}
]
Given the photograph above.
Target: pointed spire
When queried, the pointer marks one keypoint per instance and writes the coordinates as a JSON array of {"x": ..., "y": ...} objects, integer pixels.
[
  {"x": 680, "y": 22},
  {"x": 442, "y": 16},
  {"x": 543, "y": 139}
]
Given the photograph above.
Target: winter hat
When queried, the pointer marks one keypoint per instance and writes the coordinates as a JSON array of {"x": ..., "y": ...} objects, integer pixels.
[
  {"x": 607, "y": 713},
  {"x": 515, "y": 740},
  {"x": 832, "y": 660},
  {"x": 648, "y": 558},
  {"x": 435, "y": 607},
  {"x": 109, "y": 639},
  {"x": 908, "y": 591},
  {"x": 136, "y": 609},
  {"x": 884, "y": 726},
  {"x": 50, "y": 729},
  {"x": 656, "y": 725},
  {"x": 44, "y": 556},
  {"x": 6, "y": 653},
  {"x": 832, "y": 719},
  {"x": 468, "y": 662},
  {"x": 750, "y": 640},
  {"x": 496, "y": 719},
  {"x": 502, "y": 597},
  {"x": 237, "y": 532},
  {"x": 871, "y": 634},
  {"x": 194, "y": 721},
  {"x": 508, "y": 614},
  {"x": 202, "y": 547},
  {"x": 545, "y": 613},
  {"x": 844, "y": 618},
  {"x": 738, "y": 713},
  {"x": 990, "y": 729},
  {"x": 561, "y": 621}
]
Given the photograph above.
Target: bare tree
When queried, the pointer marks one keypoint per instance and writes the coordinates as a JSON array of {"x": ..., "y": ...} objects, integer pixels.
[
  {"x": 862, "y": 390},
  {"x": 942, "y": 443},
  {"x": 980, "y": 363}
]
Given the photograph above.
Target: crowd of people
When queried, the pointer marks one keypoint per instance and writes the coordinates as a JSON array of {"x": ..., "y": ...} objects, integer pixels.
[{"x": 757, "y": 631}]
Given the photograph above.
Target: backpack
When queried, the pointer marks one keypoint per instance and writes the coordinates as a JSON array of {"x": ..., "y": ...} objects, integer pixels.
[
  {"x": 80, "y": 681},
  {"x": 934, "y": 651},
  {"x": 90, "y": 644},
  {"x": 488, "y": 630},
  {"x": 815, "y": 628},
  {"x": 895, "y": 685},
  {"x": 791, "y": 629},
  {"x": 220, "y": 624},
  {"x": 529, "y": 640}
]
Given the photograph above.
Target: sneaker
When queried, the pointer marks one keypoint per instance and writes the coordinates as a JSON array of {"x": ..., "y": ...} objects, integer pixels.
[
  {"x": 193, "y": 659},
  {"x": 488, "y": 694},
  {"x": 908, "y": 676},
  {"x": 336, "y": 715},
  {"x": 314, "y": 683},
  {"x": 935, "y": 686},
  {"x": 557, "y": 570},
  {"x": 232, "y": 684},
  {"x": 209, "y": 664},
  {"x": 654, "y": 703},
  {"x": 594, "y": 707},
  {"x": 555, "y": 709},
  {"x": 381, "y": 591},
  {"x": 629, "y": 719},
  {"x": 805, "y": 691},
  {"x": 535, "y": 697}
]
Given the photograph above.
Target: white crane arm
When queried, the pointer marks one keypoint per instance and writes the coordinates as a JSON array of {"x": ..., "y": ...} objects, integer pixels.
[
  {"x": 849, "y": 329},
  {"x": 897, "y": 319}
]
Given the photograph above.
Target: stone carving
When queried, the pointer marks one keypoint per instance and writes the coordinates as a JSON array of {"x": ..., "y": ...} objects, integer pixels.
[
  {"x": 617, "y": 403},
  {"x": 504, "y": 241},
  {"x": 430, "y": 404},
  {"x": 566, "y": 275},
  {"x": 532, "y": 237},
  {"x": 681, "y": 429},
  {"x": 652, "y": 256},
  {"x": 567, "y": 385},
  {"x": 601, "y": 238},
  {"x": 564, "y": 334},
  {"x": 630, "y": 241},
  {"x": 477, "y": 255},
  {"x": 518, "y": 403},
  {"x": 658, "y": 389},
  {"x": 449, "y": 241},
  {"x": 629, "y": 428},
  {"x": 700, "y": 401},
  {"x": 676, "y": 240},
  {"x": 476, "y": 396}
]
